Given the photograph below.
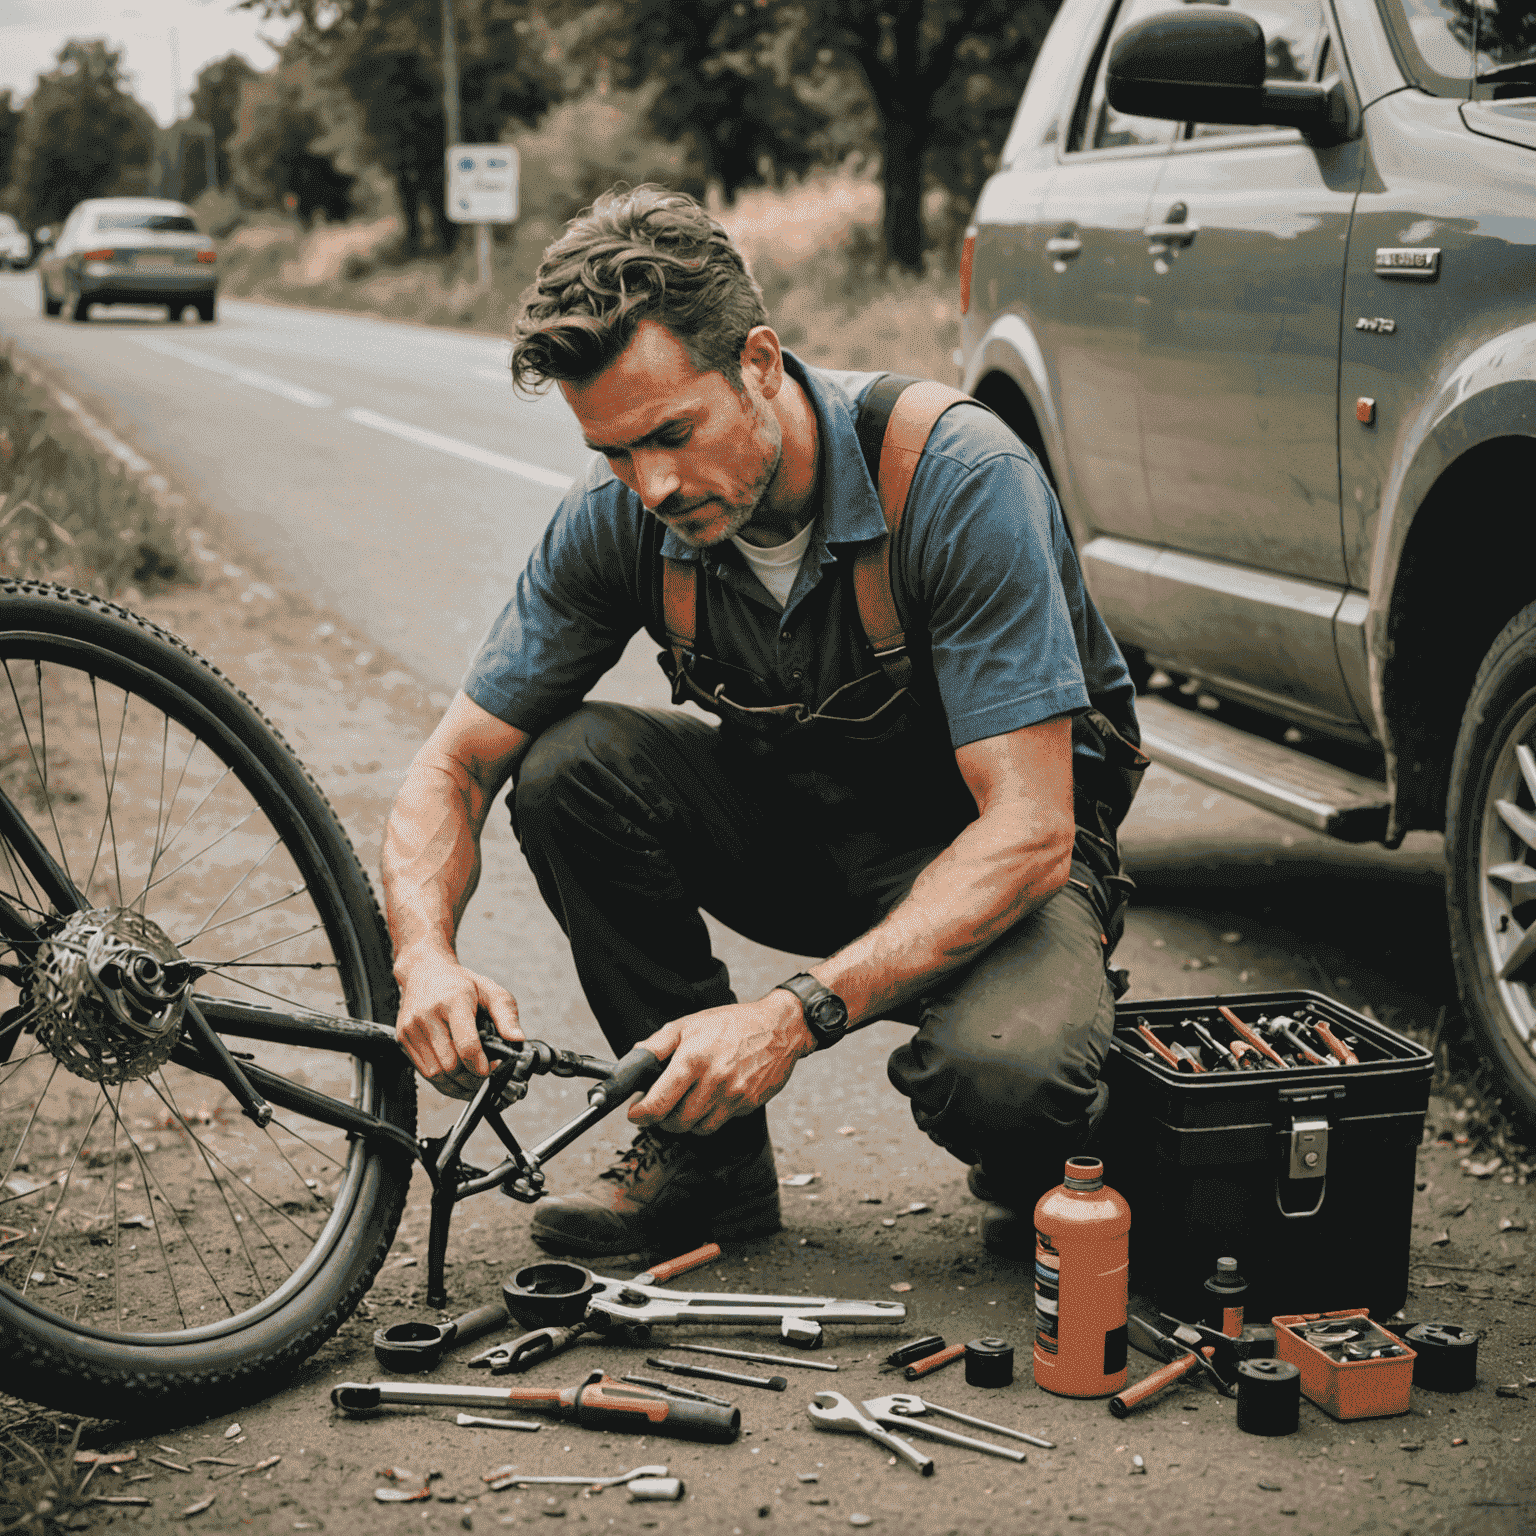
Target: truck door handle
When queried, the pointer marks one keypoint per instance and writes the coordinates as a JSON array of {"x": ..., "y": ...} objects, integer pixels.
[
  {"x": 1061, "y": 249},
  {"x": 1176, "y": 230}
]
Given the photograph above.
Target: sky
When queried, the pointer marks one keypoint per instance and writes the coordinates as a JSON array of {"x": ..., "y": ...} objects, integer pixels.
[{"x": 33, "y": 31}]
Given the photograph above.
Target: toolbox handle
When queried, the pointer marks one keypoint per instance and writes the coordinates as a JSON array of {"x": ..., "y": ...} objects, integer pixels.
[{"x": 1322, "y": 1194}]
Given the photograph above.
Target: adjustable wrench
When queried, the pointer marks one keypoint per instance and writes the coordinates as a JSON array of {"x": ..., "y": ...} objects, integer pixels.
[{"x": 831, "y": 1410}]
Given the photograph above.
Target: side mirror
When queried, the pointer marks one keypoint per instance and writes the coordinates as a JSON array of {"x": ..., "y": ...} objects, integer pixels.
[{"x": 1206, "y": 64}]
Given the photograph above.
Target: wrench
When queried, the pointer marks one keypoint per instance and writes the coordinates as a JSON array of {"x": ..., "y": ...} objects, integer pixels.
[
  {"x": 907, "y": 1405},
  {"x": 513, "y": 1481},
  {"x": 831, "y": 1410},
  {"x": 418, "y": 1346},
  {"x": 561, "y": 1294}
]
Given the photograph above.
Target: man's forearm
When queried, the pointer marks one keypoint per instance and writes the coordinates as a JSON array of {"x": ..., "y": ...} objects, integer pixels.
[{"x": 977, "y": 889}]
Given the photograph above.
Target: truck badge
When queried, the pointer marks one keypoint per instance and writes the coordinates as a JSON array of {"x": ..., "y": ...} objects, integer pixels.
[
  {"x": 1379, "y": 324},
  {"x": 1420, "y": 261}
]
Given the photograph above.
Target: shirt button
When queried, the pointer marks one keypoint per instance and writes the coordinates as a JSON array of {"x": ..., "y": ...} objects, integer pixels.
[{"x": 786, "y": 635}]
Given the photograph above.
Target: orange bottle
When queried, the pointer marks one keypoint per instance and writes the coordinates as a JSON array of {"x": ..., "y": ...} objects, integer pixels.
[{"x": 1082, "y": 1265}]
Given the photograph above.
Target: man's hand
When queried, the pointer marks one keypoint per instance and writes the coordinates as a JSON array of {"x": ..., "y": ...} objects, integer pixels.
[
  {"x": 723, "y": 1062},
  {"x": 439, "y": 1001}
]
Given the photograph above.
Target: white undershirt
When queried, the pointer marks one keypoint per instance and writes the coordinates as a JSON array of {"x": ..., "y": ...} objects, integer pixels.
[{"x": 778, "y": 565}]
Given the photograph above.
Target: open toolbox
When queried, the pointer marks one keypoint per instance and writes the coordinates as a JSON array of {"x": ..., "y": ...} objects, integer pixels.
[
  {"x": 1350, "y": 1367},
  {"x": 1301, "y": 1170}
]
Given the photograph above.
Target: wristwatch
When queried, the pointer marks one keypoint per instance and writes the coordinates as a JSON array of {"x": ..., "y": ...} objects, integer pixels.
[{"x": 826, "y": 1015}]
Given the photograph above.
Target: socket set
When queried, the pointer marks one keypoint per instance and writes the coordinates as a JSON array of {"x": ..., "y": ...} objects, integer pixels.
[{"x": 1219, "y": 1039}]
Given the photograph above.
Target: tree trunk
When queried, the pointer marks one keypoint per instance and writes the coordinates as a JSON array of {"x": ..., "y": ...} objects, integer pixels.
[
  {"x": 409, "y": 194},
  {"x": 903, "y": 141}
]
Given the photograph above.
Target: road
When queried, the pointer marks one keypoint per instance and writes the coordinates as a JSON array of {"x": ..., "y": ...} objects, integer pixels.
[{"x": 272, "y": 421}]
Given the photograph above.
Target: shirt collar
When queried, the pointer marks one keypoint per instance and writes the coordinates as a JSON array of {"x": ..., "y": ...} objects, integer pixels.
[{"x": 850, "y": 507}]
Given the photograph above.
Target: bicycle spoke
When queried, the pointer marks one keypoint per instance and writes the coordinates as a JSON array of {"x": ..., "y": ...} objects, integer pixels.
[
  {"x": 109, "y": 782},
  {"x": 58, "y": 1205},
  {"x": 42, "y": 772},
  {"x": 206, "y": 849},
  {"x": 275, "y": 844},
  {"x": 240, "y": 917},
  {"x": 318, "y": 1151},
  {"x": 165, "y": 810}
]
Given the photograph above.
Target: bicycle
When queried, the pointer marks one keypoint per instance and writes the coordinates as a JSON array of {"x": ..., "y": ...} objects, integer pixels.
[{"x": 207, "y": 1128}]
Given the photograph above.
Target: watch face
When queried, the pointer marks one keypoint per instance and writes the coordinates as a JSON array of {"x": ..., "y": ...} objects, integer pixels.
[{"x": 829, "y": 1013}]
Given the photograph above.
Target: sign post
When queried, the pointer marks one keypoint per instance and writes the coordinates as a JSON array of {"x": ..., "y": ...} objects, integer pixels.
[{"x": 482, "y": 190}]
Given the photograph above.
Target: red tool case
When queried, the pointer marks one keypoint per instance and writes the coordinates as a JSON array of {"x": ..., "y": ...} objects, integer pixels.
[{"x": 1304, "y": 1175}]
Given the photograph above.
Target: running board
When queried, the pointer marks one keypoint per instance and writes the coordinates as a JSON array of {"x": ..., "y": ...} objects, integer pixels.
[{"x": 1264, "y": 773}]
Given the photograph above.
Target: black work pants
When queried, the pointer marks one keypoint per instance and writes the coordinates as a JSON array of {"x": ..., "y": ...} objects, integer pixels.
[{"x": 635, "y": 820}]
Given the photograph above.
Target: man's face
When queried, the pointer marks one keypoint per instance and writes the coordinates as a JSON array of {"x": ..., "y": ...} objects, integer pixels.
[{"x": 699, "y": 455}]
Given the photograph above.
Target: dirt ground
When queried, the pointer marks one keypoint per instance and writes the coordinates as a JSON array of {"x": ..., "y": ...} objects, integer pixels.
[{"x": 1452, "y": 1464}]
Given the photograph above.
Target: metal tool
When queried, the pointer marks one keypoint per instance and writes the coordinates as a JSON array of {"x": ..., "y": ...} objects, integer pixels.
[
  {"x": 1282, "y": 1027},
  {"x": 747, "y": 1354},
  {"x": 563, "y": 1294},
  {"x": 929, "y": 1363},
  {"x": 675, "y": 1390},
  {"x": 420, "y": 1346},
  {"x": 1252, "y": 1036},
  {"x": 909, "y": 1405},
  {"x": 476, "y": 1421},
  {"x": 542, "y": 1343},
  {"x": 1189, "y": 1056},
  {"x": 917, "y": 1349},
  {"x": 709, "y": 1373},
  {"x": 831, "y": 1410},
  {"x": 513, "y": 1481},
  {"x": 598, "y": 1402},
  {"x": 1222, "y": 1053},
  {"x": 883, "y": 1411}
]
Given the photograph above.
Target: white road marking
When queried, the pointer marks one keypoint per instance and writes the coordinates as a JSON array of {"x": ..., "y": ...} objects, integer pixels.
[
  {"x": 460, "y": 450},
  {"x": 295, "y": 392},
  {"x": 92, "y": 428}
]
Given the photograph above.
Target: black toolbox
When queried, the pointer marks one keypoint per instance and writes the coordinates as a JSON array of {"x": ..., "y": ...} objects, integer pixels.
[{"x": 1303, "y": 1174}]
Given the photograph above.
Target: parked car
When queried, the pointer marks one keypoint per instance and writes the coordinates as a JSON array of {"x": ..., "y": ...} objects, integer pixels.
[
  {"x": 1255, "y": 282},
  {"x": 15, "y": 244},
  {"x": 129, "y": 250}
]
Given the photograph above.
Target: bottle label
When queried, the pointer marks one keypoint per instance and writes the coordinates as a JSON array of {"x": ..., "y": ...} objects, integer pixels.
[{"x": 1047, "y": 1294}]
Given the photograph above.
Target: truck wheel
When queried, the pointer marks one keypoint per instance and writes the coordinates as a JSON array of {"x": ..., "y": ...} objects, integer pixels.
[{"x": 1490, "y": 847}]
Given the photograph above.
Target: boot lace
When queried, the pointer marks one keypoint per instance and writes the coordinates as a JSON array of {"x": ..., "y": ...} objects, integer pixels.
[{"x": 647, "y": 1151}]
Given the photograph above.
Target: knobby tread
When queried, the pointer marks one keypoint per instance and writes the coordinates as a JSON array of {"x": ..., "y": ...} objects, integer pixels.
[{"x": 57, "y": 1376}]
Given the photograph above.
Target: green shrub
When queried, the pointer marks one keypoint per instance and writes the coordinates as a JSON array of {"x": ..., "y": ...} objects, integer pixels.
[{"x": 66, "y": 516}]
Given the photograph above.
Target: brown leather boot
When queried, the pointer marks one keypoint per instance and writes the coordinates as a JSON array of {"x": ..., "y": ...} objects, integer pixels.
[{"x": 666, "y": 1194}]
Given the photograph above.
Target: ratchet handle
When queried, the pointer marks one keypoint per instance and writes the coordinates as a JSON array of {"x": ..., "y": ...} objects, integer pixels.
[
  {"x": 632, "y": 1072},
  {"x": 1149, "y": 1386},
  {"x": 603, "y": 1403},
  {"x": 658, "y": 1273}
]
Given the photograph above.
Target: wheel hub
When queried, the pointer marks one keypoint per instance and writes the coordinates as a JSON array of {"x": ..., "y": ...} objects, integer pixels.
[{"x": 110, "y": 988}]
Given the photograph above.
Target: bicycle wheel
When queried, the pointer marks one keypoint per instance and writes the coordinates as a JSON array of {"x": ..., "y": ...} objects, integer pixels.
[{"x": 163, "y": 855}]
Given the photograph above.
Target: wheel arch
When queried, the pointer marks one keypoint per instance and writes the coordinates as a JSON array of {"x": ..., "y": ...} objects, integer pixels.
[
  {"x": 1008, "y": 373},
  {"x": 1439, "y": 601}
]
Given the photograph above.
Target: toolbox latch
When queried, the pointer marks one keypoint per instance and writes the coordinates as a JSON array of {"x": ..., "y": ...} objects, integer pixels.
[{"x": 1309, "y": 1149}]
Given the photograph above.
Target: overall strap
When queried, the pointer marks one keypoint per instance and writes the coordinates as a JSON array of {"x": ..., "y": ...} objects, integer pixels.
[
  {"x": 680, "y": 605},
  {"x": 895, "y": 420}
]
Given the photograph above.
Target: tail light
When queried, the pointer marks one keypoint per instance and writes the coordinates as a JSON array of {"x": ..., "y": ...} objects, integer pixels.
[
  {"x": 105, "y": 255},
  {"x": 967, "y": 256},
  {"x": 207, "y": 256}
]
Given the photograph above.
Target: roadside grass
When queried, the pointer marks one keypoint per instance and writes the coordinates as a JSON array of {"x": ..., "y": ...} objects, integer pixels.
[
  {"x": 66, "y": 514},
  {"x": 40, "y": 1490},
  {"x": 814, "y": 247}
]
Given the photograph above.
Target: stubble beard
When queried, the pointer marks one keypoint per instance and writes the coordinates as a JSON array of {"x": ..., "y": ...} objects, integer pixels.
[{"x": 741, "y": 513}]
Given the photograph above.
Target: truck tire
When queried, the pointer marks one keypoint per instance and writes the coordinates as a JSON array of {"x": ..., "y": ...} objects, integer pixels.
[{"x": 1490, "y": 849}]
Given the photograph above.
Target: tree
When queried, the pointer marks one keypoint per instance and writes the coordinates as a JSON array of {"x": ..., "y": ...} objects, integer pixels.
[
  {"x": 275, "y": 148},
  {"x": 942, "y": 78},
  {"x": 387, "y": 56},
  {"x": 81, "y": 135},
  {"x": 216, "y": 101},
  {"x": 10, "y": 123}
]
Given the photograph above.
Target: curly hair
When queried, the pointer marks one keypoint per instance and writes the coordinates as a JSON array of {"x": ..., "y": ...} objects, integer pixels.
[{"x": 636, "y": 254}]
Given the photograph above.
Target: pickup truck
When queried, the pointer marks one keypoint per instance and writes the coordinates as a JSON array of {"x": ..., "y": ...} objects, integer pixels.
[{"x": 1255, "y": 281}]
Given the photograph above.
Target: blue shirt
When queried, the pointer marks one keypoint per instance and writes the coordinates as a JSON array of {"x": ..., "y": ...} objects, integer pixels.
[{"x": 987, "y": 584}]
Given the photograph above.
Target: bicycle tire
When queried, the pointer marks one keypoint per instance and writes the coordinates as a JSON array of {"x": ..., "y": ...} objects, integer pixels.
[{"x": 150, "y": 1361}]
